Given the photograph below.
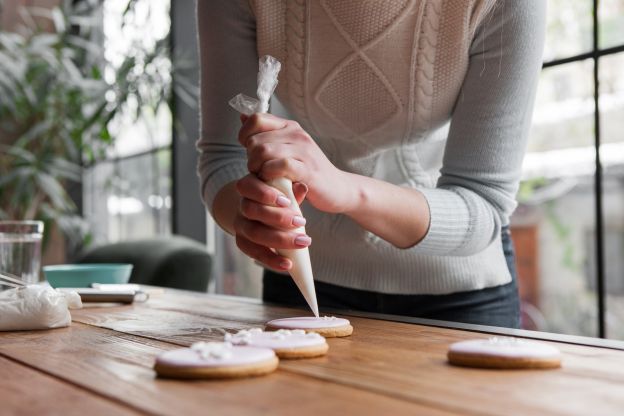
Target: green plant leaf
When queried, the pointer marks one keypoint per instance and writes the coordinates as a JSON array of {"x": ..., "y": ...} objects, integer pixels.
[{"x": 55, "y": 191}]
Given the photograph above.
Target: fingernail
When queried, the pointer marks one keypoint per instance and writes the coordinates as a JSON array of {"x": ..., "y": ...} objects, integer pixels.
[
  {"x": 302, "y": 187},
  {"x": 282, "y": 201},
  {"x": 298, "y": 221},
  {"x": 303, "y": 240},
  {"x": 285, "y": 264}
]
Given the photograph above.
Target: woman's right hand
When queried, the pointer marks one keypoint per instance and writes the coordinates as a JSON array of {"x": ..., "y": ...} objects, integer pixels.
[{"x": 266, "y": 220}]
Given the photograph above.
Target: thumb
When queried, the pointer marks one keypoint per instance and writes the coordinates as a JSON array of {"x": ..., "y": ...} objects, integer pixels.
[
  {"x": 243, "y": 118},
  {"x": 300, "y": 190}
]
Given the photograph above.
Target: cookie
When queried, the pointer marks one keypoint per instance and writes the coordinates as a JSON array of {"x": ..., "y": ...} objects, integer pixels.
[
  {"x": 286, "y": 343},
  {"x": 327, "y": 326},
  {"x": 216, "y": 360},
  {"x": 504, "y": 353}
]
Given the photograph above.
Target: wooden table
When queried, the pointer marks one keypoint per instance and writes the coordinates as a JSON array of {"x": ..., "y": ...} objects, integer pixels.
[{"x": 102, "y": 364}]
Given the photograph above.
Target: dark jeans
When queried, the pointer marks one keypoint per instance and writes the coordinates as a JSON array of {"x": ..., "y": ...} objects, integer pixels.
[{"x": 495, "y": 306}]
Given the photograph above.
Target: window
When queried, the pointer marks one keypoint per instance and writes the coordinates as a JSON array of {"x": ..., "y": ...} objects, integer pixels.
[
  {"x": 127, "y": 194},
  {"x": 569, "y": 226}
]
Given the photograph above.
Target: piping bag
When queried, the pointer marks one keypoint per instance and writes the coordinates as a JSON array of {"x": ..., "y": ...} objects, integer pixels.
[{"x": 301, "y": 271}]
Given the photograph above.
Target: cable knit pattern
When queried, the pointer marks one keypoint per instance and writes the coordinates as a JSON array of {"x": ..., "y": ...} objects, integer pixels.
[
  {"x": 421, "y": 85},
  {"x": 296, "y": 58},
  {"x": 357, "y": 72},
  {"x": 377, "y": 104},
  {"x": 352, "y": 15},
  {"x": 425, "y": 58},
  {"x": 431, "y": 94}
]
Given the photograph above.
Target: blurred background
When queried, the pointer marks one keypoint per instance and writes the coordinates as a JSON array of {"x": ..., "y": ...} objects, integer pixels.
[{"x": 125, "y": 74}]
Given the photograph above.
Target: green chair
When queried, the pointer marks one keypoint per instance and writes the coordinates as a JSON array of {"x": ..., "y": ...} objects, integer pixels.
[{"x": 176, "y": 262}]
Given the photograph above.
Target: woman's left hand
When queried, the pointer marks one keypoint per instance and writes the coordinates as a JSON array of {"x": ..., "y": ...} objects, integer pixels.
[{"x": 279, "y": 148}]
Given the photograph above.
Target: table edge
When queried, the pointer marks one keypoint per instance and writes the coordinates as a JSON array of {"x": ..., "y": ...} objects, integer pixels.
[
  {"x": 485, "y": 329},
  {"x": 494, "y": 330}
]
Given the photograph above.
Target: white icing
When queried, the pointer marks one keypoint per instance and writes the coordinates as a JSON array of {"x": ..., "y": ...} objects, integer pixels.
[
  {"x": 203, "y": 355},
  {"x": 217, "y": 350},
  {"x": 309, "y": 322},
  {"x": 283, "y": 338},
  {"x": 506, "y": 347}
]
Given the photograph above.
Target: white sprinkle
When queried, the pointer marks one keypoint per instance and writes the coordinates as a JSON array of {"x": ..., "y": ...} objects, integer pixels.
[{"x": 218, "y": 350}]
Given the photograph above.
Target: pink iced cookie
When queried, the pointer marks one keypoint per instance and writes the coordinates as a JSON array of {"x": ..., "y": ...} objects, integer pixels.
[
  {"x": 504, "y": 352},
  {"x": 286, "y": 343},
  {"x": 215, "y": 360},
  {"x": 327, "y": 326}
]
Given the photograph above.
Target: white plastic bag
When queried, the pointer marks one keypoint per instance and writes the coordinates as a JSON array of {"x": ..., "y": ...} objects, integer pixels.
[
  {"x": 301, "y": 272},
  {"x": 36, "y": 307},
  {"x": 269, "y": 68}
]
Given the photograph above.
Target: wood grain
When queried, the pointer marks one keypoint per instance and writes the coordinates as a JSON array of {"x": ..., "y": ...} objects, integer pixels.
[
  {"x": 25, "y": 391},
  {"x": 120, "y": 368},
  {"x": 383, "y": 368},
  {"x": 398, "y": 360}
]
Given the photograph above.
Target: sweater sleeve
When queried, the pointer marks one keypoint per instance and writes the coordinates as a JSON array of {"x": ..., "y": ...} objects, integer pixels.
[
  {"x": 475, "y": 194},
  {"x": 229, "y": 65}
]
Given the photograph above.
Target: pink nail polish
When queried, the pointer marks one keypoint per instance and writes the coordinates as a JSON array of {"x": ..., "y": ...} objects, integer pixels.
[
  {"x": 303, "y": 241},
  {"x": 282, "y": 201},
  {"x": 285, "y": 264},
  {"x": 298, "y": 221}
]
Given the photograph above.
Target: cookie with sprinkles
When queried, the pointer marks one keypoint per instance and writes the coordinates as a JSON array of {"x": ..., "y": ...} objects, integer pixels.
[
  {"x": 287, "y": 343},
  {"x": 216, "y": 360}
]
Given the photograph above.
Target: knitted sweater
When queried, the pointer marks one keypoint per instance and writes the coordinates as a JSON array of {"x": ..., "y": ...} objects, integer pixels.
[{"x": 435, "y": 95}]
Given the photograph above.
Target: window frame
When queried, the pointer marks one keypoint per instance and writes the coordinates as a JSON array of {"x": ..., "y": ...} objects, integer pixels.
[{"x": 595, "y": 54}]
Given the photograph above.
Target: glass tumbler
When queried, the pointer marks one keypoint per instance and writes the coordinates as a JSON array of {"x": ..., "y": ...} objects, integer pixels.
[{"x": 20, "y": 249}]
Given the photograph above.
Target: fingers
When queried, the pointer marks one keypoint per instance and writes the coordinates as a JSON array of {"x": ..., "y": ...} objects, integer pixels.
[
  {"x": 263, "y": 203},
  {"x": 263, "y": 254},
  {"x": 250, "y": 187},
  {"x": 259, "y": 123},
  {"x": 277, "y": 217},
  {"x": 266, "y": 236},
  {"x": 258, "y": 154},
  {"x": 300, "y": 190},
  {"x": 290, "y": 168}
]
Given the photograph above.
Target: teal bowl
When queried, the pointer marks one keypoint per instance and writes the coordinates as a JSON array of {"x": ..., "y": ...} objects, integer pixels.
[{"x": 83, "y": 275}]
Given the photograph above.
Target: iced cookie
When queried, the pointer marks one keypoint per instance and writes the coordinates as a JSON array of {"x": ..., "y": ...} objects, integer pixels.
[
  {"x": 216, "y": 360},
  {"x": 327, "y": 326},
  {"x": 504, "y": 353},
  {"x": 286, "y": 343}
]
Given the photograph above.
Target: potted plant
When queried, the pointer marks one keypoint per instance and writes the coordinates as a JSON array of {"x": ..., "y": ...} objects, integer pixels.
[{"x": 56, "y": 106}]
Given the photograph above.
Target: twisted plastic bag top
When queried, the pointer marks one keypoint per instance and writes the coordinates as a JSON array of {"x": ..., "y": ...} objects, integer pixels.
[{"x": 269, "y": 68}]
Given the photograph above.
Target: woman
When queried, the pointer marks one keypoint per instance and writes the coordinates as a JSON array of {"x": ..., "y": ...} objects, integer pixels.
[{"x": 406, "y": 127}]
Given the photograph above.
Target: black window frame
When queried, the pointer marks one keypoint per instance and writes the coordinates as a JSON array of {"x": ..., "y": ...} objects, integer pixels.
[{"x": 595, "y": 54}]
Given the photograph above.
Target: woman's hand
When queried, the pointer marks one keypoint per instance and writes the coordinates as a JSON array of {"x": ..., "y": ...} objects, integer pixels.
[
  {"x": 266, "y": 220},
  {"x": 279, "y": 148}
]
